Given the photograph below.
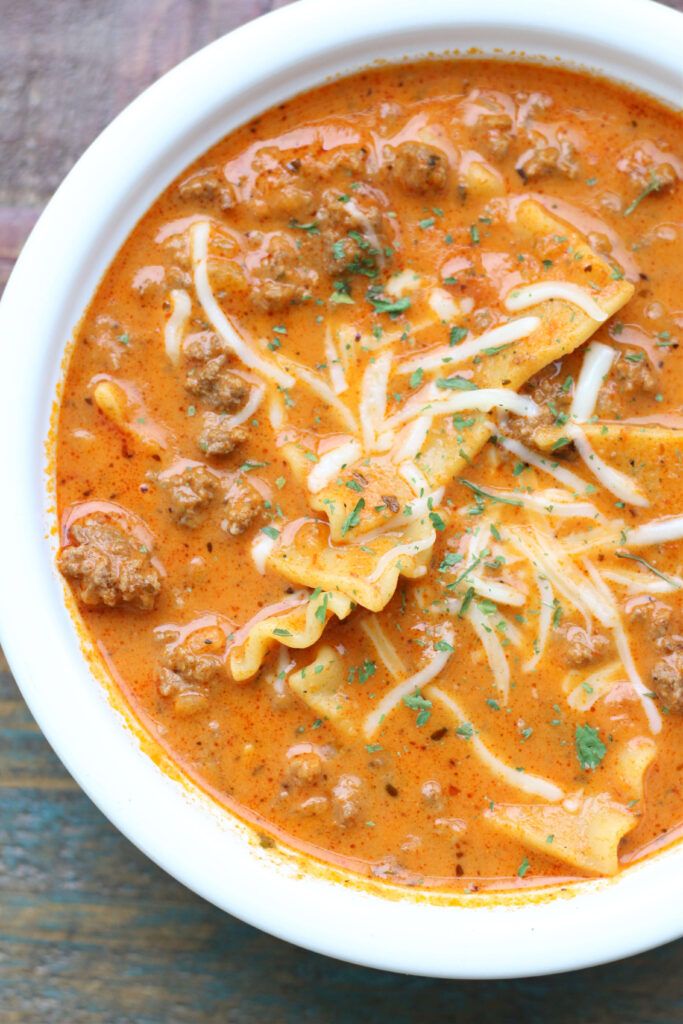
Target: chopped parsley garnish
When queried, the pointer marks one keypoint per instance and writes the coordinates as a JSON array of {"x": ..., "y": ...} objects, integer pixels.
[
  {"x": 250, "y": 464},
  {"x": 353, "y": 518},
  {"x": 486, "y": 494},
  {"x": 523, "y": 867},
  {"x": 271, "y": 532},
  {"x": 392, "y": 306},
  {"x": 423, "y": 706},
  {"x": 456, "y": 384},
  {"x": 367, "y": 669},
  {"x": 648, "y": 566},
  {"x": 653, "y": 185},
  {"x": 416, "y": 378},
  {"x": 560, "y": 443},
  {"x": 466, "y": 731},
  {"x": 474, "y": 234},
  {"x": 590, "y": 749},
  {"x": 436, "y": 521},
  {"x": 457, "y": 334},
  {"x": 312, "y": 228},
  {"x": 321, "y": 610},
  {"x": 467, "y": 601}
]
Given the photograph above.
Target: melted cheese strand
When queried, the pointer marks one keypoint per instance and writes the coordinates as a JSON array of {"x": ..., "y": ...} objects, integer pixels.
[
  {"x": 261, "y": 547},
  {"x": 597, "y": 363},
  {"x": 591, "y": 688},
  {"x": 383, "y": 646},
  {"x": 658, "y": 531},
  {"x": 643, "y": 583},
  {"x": 550, "y": 502},
  {"x": 373, "y": 397},
  {"x": 522, "y": 297},
  {"x": 495, "y": 655},
  {"x": 564, "y": 576},
  {"x": 411, "y": 548},
  {"x": 481, "y": 400},
  {"x": 533, "y": 785},
  {"x": 331, "y": 463},
  {"x": 454, "y": 355},
  {"x": 565, "y": 476},
  {"x": 174, "y": 329},
  {"x": 199, "y": 239},
  {"x": 652, "y": 714},
  {"x": 411, "y": 438},
  {"x": 430, "y": 671},
  {"x": 547, "y": 599},
  {"x": 325, "y": 392},
  {"x": 415, "y": 479},
  {"x": 622, "y": 486},
  {"x": 337, "y": 375},
  {"x": 256, "y": 394}
]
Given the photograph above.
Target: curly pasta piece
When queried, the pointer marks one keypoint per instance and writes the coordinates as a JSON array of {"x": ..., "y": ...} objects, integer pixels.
[{"x": 297, "y": 626}]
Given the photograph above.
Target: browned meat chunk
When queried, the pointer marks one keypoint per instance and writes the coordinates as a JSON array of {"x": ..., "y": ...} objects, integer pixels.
[
  {"x": 352, "y": 233},
  {"x": 631, "y": 376},
  {"x": 655, "y": 615},
  {"x": 346, "y": 799},
  {"x": 667, "y": 679},
  {"x": 281, "y": 277},
  {"x": 242, "y": 505},
  {"x": 547, "y": 391},
  {"x": 541, "y": 159},
  {"x": 214, "y": 384},
  {"x": 580, "y": 647},
  {"x": 647, "y": 168},
  {"x": 304, "y": 769},
  {"x": 420, "y": 168},
  {"x": 191, "y": 494},
  {"x": 217, "y": 436},
  {"x": 109, "y": 567},
  {"x": 189, "y": 669},
  {"x": 206, "y": 188},
  {"x": 494, "y": 132}
]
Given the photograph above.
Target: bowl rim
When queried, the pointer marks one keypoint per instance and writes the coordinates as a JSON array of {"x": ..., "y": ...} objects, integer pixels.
[{"x": 98, "y": 203}]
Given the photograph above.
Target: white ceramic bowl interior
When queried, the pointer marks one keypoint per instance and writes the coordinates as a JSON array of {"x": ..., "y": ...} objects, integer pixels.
[{"x": 79, "y": 233}]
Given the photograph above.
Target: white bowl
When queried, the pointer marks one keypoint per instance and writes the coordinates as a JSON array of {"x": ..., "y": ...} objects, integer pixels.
[{"x": 77, "y": 236}]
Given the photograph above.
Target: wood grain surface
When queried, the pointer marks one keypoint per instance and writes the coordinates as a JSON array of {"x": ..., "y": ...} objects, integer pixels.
[{"x": 90, "y": 930}]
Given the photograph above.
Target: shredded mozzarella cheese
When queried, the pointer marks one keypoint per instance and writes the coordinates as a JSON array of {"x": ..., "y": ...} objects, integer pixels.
[
  {"x": 533, "y": 785},
  {"x": 449, "y": 356},
  {"x": 524, "y": 296},
  {"x": 431, "y": 670},
  {"x": 329, "y": 465},
  {"x": 181, "y": 307},
  {"x": 199, "y": 237},
  {"x": 597, "y": 363},
  {"x": 427, "y": 400},
  {"x": 622, "y": 486},
  {"x": 373, "y": 397}
]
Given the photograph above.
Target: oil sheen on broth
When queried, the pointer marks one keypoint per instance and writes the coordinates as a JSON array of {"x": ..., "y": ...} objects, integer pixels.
[{"x": 369, "y": 473}]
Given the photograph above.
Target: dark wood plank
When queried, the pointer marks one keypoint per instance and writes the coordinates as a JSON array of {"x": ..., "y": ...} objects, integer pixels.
[{"x": 90, "y": 930}]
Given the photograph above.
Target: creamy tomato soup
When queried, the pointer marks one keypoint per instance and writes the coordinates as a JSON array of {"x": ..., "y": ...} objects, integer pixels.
[{"x": 369, "y": 474}]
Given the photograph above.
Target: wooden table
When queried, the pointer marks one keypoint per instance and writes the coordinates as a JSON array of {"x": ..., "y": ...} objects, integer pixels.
[{"x": 90, "y": 930}]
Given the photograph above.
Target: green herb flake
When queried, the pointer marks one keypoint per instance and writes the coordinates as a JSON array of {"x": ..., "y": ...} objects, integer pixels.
[
  {"x": 523, "y": 867},
  {"x": 456, "y": 384},
  {"x": 436, "y": 521},
  {"x": 353, "y": 517},
  {"x": 590, "y": 749}
]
